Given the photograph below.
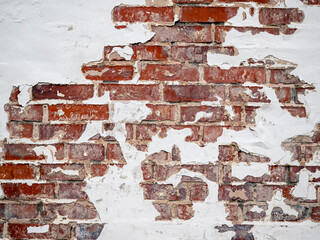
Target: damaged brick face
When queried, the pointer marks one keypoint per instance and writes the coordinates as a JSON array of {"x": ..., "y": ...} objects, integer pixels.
[{"x": 46, "y": 162}]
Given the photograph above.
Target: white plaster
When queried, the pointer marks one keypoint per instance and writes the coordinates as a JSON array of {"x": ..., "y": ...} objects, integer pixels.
[
  {"x": 200, "y": 115},
  {"x": 304, "y": 188},
  {"x": 241, "y": 170},
  {"x": 24, "y": 95},
  {"x": 65, "y": 171},
  {"x": 41, "y": 229},
  {"x": 256, "y": 208},
  {"x": 126, "y": 52},
  {"x": 48, "y": 151}
]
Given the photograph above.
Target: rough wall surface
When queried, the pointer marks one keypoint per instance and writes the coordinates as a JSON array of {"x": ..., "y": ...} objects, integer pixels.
[{"x": 193, "y": 133}]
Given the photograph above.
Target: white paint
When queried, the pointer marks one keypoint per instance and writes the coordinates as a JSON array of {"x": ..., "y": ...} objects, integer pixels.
[
  {"x": 241, "y": 170},
  {"x": 200, "y": 115},
  {"x": 48, "y": 151},
  {"x": 24, "y": 95},
  {"x": 126, "y": 52},
  {"x": 65, "y": 171},
  {"x": 305, "y": 189},
  {"x": 256, "y": 208},
  {"x": 41, "y": 229}
]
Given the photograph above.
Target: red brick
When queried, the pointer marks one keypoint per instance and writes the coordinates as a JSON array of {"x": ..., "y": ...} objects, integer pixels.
[
  {"x": 62, "y": 131},
  {"x": 131, "y": 92},
  {"x": 62, "y": 172},
  {"x": 142, "y": 14},
  {"x": 315, "y": 214},
  {"x": 114, "y": 153},
  {"x": 75, "y": 210},
  {"x": 249, "y": 215},
  {"x": 77, "y": 112},
  {"x": 283, "y": 76},
  {"x": 296, "y": 111},
  {"x": 145, "y": 132},
  {"x": 169, "y": 72},
  {"x": 17, "y": 171},
  {"x": 234, "y": 75},
  {"x": 153, "y": 53},
  {"x": 199, "y": 192},
  {"x": 163, "y": 172},
  {"x": 154, "y": 191},
  {"x": 212, "y": 133},
  {"x": 248, "y": 94},
  {"x": 103, "y": 72},
  {"x": 266, "y": 192},
  {"x": 29, "y": 113},
  {"x": 250, "y": 113},
  {"x": 161, "y": 112},
  {"x": 184, "y": 211},
  {"x": 235, "y": 193},
  {"x": 279, "y": 16},
  {"x": 147, "y": 171},
  {"x": 218, "y": 114},
  {"x": 88, "y": 231},
  {"x": 193, "y": 93},
  {"x": 197, "y": 54},
  {"x": 20, "y": 231},
  {"x": 311, "y": 2},
  {"x": 98, "y": 170},
  {"x": 192, "y": 1},
  {"x": 164, "y": 209},
  {"x": 283, "y": 94},
  {"x": 25, "y": 191},
  {"x": 234, "y": 212},
  {"x": 62, "y": 91},
  {"x": 227, "y": 153},
  {"x": 14, "y": 94},
  {"x": 20, "y": 130},
  {"x": 250, "y": 157},
  {"x": 18, "y": 211},
  {"x": 294, "y": 173},
  {"x": 199, "y": 34},
  {"x": 71, "y": 190},
  {"x": 26, "y": 152},
  {"x": 94, "y": 152},
  {"x": 207, "y": 14}
]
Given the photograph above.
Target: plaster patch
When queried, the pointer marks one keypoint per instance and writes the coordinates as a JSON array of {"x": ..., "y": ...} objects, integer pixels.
[
  {"x": 65, "y": 171},
  {"x": 41, "y": 229},
  {"x": 242, "y": 170},
  {"x": 24, "y": 95},
  {"x": 48, "y": 151},
  {"x": 305, "y": 189}
]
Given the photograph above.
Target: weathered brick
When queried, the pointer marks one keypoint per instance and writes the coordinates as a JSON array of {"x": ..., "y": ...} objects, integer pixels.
[
  {"x": 235, "y": 193},
  {"x": 221, "y": 31},
  {"x": 62, "y": 91},
  {"x": 283, "y": 94},
  {"x": 227, "y": 153},
  {"x": 98, "y": 170},
  {"x": 207, "y": 14},
  {"x": 193, "y": 93},
  {"x": 149, "y": 53},
  {"x": 212, "y": 133},
  {"x": 251, "y": 113},
  {"x": 154, "y": 191},
  {"x": 210, "y": 171},
  {"x": 164, "y": 209},
  {"x": 75, "y": 210},
  {"x": 104, "y": 72},
  {"x": 185, "y": 211},
  {"x": 248, "y": 94},
  {"x": 315, "y": 214},
  {"x": 218, "y": 114},
  {"x": 199, "y": 192},
  {"x": 250, "y": 157},
  {"x": 234, "y": 212},
  {"x": 86, "y": 231},
  {"x": 192, "y": 1},
  {"x": 256, "y": 1},
  {"x": 15, "y": 91},
  {"x": 279, "y": 16},
  {"x": 249, "y": 215},
  {"x": 78, "y": 112},
  {"x": 197, "y": 54},
  {"x": 32, "y": 113},
  {"x": 214, "y": 74},
  {"x": 163, "y": 172},
  {"x": 147, "y": 171},
  {"x": 23, "y": 231},
  {"x": 61, "y": 131},
  {"x": 20, "y": 130},
  {"x": 114, "y": 153},
  {"x": 169, "y": 72},
  {"x": 18, "y": 211},
  {"x": 266, "y": 192},
  {"x": 94, "y": 152},
  {"x": 294, "y": 173},
  {"x": 161, "y": 112},
  {"x": 27, "y": 152},
  {"x": 25, "y": 191},
  {"x": 142, "y": 14},
  {"x": 283, "y": 76},
  {"x": 311, "y": 2},
  {"x": 62, "y": 172},
  {"x": 199, "y": 34},
  {"x": 71, "y": 190},
  {"x": 131, "y": 92},
  {"x": 296, "y": 111},
  {"x": 17, "y": 171}
]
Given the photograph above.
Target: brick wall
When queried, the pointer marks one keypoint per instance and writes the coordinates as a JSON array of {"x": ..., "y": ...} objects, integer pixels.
[{"x": 46, "y": 163}]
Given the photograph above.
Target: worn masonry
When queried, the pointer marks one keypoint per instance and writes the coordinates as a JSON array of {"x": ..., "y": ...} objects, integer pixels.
[{"x": 70, "y": 134}]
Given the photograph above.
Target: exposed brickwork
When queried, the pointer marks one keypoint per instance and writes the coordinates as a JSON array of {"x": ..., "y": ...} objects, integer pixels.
[{"x": 46, "y": 142}]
